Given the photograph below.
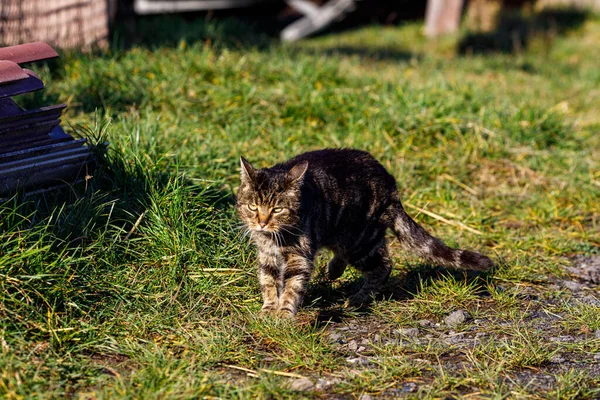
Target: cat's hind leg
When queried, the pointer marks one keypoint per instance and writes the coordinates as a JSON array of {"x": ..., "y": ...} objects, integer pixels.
[
  {"x": 336, "y": 267},
  {"x": 376, "y": 268}
]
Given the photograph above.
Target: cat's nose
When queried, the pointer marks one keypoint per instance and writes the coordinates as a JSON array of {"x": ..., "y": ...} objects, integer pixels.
[{"x": 262, "y": 224}]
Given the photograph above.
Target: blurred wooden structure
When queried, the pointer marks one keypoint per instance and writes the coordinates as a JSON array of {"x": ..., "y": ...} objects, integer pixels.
[
  {"x": 315, "y": 18},
  {"x": 78, "y": 24},
  {"x": 171, "y": 6},
  {"x": 35, "y": 153},
  {"x": 579, "y": 4},
  {"x": 442, "y": 17}
]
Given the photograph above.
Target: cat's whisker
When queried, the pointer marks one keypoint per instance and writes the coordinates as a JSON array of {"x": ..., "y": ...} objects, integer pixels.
[
  {"x": 290, "y": 232},
  {"x": 293, "y": 228},
  {"x": 245, "y": 234},
  {"x": 274, "y": 238}
]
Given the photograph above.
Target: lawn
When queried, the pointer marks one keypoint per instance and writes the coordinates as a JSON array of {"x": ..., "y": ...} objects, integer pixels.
[{"x": 142, "y": 285}]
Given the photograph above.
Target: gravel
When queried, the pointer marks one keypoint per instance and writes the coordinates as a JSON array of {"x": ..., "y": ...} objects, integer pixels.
[
  {"x": 302, "y": 385},
  {"x": 586, "y": 268},
  {"x": 456, "y": 318},
  {"x": 407, "y": 332},
  {"x": 573, "y": 286}
]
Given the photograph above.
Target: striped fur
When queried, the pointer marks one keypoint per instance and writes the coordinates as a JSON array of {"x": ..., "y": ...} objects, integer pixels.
[{"x": 340, "y": 199}]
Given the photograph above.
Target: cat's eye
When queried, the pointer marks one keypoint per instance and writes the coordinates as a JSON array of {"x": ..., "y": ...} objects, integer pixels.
[
  {"x": 252, "y": 207},
  {"x": 277, "y": 210}
]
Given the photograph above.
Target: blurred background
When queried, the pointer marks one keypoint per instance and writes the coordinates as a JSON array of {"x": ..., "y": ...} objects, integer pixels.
[{"x": 83, "y": 24}]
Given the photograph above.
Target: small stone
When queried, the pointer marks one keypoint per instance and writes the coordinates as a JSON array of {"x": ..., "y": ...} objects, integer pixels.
[
  {"x": 334, "y": 337},
  {"x": 408, "y": 332},
  {"x": 587, "y": 268},
  {"x": 302, "y": 385},
  {"x": 364, "y": 341},
  {"x": 557, "y": 359},
  {"x": 421, "y": 361},
  {"x": 591, "y": 300},
  {"x": 365, "y": 397},
  {"x": 352, "y": 345},
  {"x": 323, "y": 384},
  {"x": 361, "y": 349},
  {"x": 377, "y": 338},
  {"x": 456, "y": 318},
  {"x": 453, "y": 338},
  {"x": 409, "y": 387},
  {"x": 597, "y": 334},
  {"x": 357, "y": 361},
  {"x": 573, "y": 286},
  {"x": 424, "y": 322},
  {"x": 563, "y": 339},
  {"x": 597, "y": 356}
]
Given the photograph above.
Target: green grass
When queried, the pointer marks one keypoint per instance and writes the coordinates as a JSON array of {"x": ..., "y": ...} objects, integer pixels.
[{"x": 142, "y": 286}]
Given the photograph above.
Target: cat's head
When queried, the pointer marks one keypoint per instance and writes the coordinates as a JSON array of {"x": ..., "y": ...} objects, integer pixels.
[{"x": 269, "y": 199}]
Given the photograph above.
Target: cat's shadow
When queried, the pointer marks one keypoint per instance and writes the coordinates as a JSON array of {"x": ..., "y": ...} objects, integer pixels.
[{"x": 330, "y": 298}]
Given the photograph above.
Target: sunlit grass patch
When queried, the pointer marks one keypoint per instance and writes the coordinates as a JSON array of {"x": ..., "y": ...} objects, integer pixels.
[{"x": 144, "y": 286}]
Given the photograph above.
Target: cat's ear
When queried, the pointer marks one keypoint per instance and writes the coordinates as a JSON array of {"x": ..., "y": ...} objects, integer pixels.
[
  {"x": 298, "y": 171},
  {"x": 248, "y": 171}
]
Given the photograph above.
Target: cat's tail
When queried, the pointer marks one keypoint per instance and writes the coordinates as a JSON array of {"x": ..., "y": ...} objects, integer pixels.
[{"x": 416, "y": 238}]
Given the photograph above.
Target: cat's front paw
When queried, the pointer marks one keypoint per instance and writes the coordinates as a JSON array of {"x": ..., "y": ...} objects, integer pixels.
[
  {"x": 286, "y": 313},
  {"x": 268, "y": 310}
]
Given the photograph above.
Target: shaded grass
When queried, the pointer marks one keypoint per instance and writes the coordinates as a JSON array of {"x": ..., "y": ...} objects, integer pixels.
[{"x": 142, "y": 286}]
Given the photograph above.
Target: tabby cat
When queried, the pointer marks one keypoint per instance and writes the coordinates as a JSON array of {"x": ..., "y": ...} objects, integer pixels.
[{"x": 340, "y": 199}]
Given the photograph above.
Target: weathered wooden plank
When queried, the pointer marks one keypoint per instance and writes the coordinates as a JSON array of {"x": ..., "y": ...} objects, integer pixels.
[
  {"x": 171, "y": 6},
  {"x": 29, "y": 52},
  {"x": 12, "y": 167},
  {"x": 11, "y": 127},
  {"x": 37, "y": 150},
  {"x": 8, "y": 107},
  {"x": 55, "y": 133},
  {"x": 27, "y": 114},
  {"x": 10, "y": 72},
  {"x": 23, "y": 143},
  {"x": 317, "y": 19},
  {"x": 29, "y": 84},
  {"x": 58, "y": 132},
  {"x": 442, "y": 17},
  {"x": 32, "y": 129},
  {"x": 50, "y": 173}
]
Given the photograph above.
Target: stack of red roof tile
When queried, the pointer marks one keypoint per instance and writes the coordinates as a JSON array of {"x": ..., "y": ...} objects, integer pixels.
[{"x": 35, "y": 152}]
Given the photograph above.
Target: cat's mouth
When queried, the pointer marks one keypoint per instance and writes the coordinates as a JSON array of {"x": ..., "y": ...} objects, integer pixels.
[{"x": 265, "y": 228}]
